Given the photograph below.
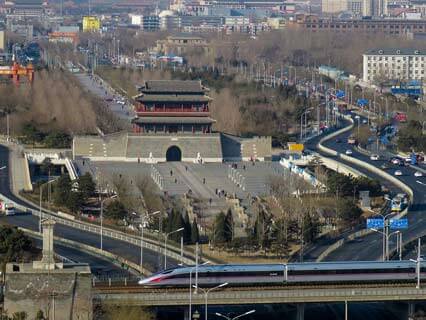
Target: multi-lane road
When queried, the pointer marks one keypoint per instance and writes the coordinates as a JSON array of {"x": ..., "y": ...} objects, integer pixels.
[{"x": 370, "y": 246}]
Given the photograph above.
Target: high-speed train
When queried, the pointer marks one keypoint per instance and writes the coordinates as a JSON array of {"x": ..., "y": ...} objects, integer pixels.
[{"x": 298, "y": 273}]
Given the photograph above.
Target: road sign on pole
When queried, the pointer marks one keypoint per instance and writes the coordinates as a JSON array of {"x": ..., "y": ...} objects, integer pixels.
[
  {"x": 398, "y": 223},
  {"x": 374, "y": 223}
]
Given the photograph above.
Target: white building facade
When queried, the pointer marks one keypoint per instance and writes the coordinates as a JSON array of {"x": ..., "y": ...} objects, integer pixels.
[{"x": 394, "y": 64}]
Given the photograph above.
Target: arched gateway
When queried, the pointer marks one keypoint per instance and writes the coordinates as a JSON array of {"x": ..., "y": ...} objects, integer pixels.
[{"x": 173, "y": 154}]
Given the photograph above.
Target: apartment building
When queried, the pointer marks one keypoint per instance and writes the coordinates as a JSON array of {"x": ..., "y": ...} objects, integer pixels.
[{"x": 393, "y": 64}]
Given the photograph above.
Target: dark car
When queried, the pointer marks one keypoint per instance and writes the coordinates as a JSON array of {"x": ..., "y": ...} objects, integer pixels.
[{"x": 338, "y": 140}]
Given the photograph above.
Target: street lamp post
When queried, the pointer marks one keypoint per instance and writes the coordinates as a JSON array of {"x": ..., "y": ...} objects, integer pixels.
[
  {"x": 418, "y": 263},
  {"x": 303, "y": 116},
  {"x": 102, "y": 220},
  {"x": 143, "y": 217},
  {"x": 40, "y": 216},
  {"x": 237, "y": 317},
  {"x": 387, "y": 236},
  {"x": 384, "y": 233},
  {"x": 206, "y": 294},
  {"x": 190, "y": 285},
  {"x": 165, "y": 245}
]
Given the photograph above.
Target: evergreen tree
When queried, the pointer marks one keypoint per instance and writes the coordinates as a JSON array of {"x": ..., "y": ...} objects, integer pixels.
[
  {"x": 310, "y": 228},
  {"x": 195, "y": 236},
  {"x": 229, "y": 226},
  {"x": 62, "y": 190},
  {"x": 74, "y": 201},
  {"x": 348, "y": 212},
  {"x": 219, "y": 228},
  {"x": 115, "y": 210},
  {"x": 187, "y": 228},
  {"x": 260, "y": 231},
  {"x": 86, "y": 186},
  {"x": 40, "y": 315}
]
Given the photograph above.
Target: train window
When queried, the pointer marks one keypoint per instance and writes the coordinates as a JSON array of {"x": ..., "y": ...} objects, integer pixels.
[
  {"x": 347, "y": 271},
  {"x": 167, "y": 271}
]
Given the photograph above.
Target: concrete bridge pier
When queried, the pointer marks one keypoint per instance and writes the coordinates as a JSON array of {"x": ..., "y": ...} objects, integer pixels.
[
  {"x": 300, "y": 311},
  {"x": 411, "y": 311},
  {"x": 186, "y": 314}
]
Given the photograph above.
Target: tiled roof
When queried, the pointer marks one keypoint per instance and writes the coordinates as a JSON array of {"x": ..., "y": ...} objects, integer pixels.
[
  {"x": 173, "y": 97},
  {"x": 174, "y": 120}
]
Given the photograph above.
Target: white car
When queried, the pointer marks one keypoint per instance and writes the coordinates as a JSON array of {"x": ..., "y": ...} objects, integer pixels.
[
  {"x": 364, "y": 121},
  {"x": 398, "y": 173},
  {"x": 418, "y": 174},
  {"x": 396, "y": 161},
  {"x": 374, "y": 157},
  {"x": 348, "y": 152}
]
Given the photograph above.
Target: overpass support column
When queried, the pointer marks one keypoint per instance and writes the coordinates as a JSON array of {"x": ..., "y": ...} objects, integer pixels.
[
  {"x": 186, "y": 314},
  {"x": 300, "y": 311},
  {"x": 411, "y": 310}
]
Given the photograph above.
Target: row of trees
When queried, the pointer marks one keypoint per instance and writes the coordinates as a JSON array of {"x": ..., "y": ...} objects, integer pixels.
[
  {"x": 15, "y": 246},
  {"x": 411, "y": 137},
  {"x": 55, "y": 139},
  {"x": 73, "y": 194},
  {"x": 348, "y": 185},
  {"x": 176, "y": 220}
]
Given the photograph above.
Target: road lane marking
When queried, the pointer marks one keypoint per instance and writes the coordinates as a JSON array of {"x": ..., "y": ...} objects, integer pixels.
[{"x": 422, "y": 183}]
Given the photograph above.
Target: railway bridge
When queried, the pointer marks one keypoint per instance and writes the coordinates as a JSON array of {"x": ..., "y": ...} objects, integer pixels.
[{"x": 133, "y": 295}]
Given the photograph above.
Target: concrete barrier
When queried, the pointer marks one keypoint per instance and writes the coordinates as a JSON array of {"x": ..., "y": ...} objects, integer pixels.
[
  {"x": 65, "y": 215},
  {"x": 360, "y": 163}
]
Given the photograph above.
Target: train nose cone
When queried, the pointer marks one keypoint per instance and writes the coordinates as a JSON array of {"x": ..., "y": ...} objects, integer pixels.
[{"x": 144, "y": 281}]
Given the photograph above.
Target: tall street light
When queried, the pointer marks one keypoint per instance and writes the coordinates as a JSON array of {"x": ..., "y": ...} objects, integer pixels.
[
  {"x": 385, "y": 232},
  {"x": 418, "y": 262},
  {"x": 143, "y": 217},
  {"x": 40, "y": 216},
  {"x": 206, "y": 294},
  {"x": 165, "y": 245},
  {"x": 237, "y": 317},
  {"x": 387, "y": 236},
  {"x": 190, "y": 285},
  {"x": 102, "y": 219}
]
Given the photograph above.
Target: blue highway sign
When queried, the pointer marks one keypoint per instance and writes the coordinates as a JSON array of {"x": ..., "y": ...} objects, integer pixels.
[
  {"x": 398, "y": 223},
  {"x": 374, "y": 223}
]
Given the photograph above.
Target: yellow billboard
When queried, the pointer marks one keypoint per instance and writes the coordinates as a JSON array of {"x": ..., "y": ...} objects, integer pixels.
[
  {"x": 296, "y": 147},
  {"x": 91, "y": 23}
]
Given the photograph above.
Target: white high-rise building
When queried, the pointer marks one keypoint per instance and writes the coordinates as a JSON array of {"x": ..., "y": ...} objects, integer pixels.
[
  {"x": 366, "y": 8},
  {"x": 394, "y": 64},
  {"x": 375, "y": 8}
]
